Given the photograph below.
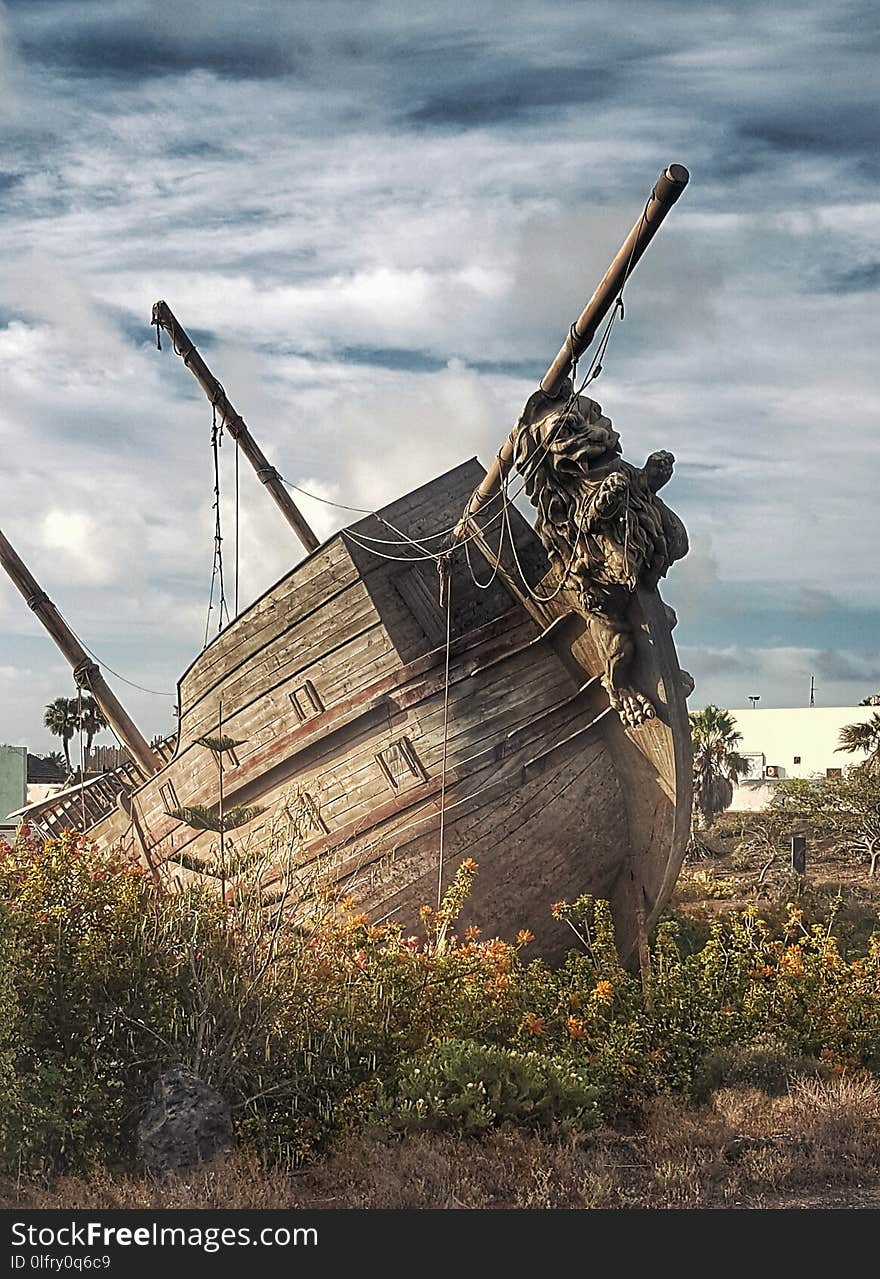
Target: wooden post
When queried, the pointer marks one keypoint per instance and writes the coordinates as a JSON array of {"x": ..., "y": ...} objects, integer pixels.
[
  {"x": 86, "y": 672},
  {"x": 164, "y": 318},
  {"x": 642, "y": 937},
  {"x": 668, "y": 187}
]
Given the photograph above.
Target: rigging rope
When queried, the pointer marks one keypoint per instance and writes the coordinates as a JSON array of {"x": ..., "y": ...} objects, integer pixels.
[
  {"x": 217, "y": 566},
  {"x": 443, "y": 568},
  {"x": 595, "y": 368},
  {"x": 82, "y": 755},
  {"x": 418, "y": 550},
  {"x": 154, "y": 692},
  {"x": 237, "y": 523}
]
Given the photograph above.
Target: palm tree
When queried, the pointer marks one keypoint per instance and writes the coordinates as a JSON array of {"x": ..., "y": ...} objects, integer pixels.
[
  {"x": 61, "y": 719},
  {"x": 91, "y": 720},
  {"x": 717, "y": 766},
  {"x": 863, "y": 737}
]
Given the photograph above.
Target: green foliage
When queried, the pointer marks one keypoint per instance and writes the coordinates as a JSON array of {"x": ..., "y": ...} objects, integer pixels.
[
  {"x": 466, "y": 1089},
  {"x": 863, "y": 738},
  {"x": 200, "y": 817},
  {"x": 68, "y": 715},
  {"x": 767, "y": 1063},
  {"x": 717, "y": 765},
  {"x": 219, "y": 745},
  {"x": 309, "y": 1028},
  {"x": 847, "y": 807},
  {"x": 60, "y": 719}
]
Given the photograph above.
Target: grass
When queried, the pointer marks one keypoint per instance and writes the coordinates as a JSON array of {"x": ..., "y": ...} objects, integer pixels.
[{"x": 817, "y": 1144}]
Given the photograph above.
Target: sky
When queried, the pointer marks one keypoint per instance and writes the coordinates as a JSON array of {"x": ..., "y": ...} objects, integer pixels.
[{"x": 377, "y": 220}]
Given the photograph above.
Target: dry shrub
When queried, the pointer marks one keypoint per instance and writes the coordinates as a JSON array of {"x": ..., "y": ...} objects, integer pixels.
[
  {"x": 743, "y": 1149},
  {"x": 841, "y": 1117}
]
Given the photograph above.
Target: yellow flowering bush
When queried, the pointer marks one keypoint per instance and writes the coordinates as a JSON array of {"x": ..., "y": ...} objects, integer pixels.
[{"x": 312, "y": 1029}]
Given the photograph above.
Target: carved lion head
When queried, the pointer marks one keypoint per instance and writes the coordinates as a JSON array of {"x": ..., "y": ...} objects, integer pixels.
[{"x": 569, "y": 440}]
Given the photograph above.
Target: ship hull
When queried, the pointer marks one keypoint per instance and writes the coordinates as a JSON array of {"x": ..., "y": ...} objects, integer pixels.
[{"x": 362, "y": 740}]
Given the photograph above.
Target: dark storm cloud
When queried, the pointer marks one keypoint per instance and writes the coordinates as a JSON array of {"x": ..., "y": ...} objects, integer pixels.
[
  {"x": 392, "y": 358},
  {"x": 513, "y": 95},
  {"x": 130, "y": 52},
  {"x": 862, "y": 278},
  {"x": 403, "y": 360},
  {"x": 833, "y": 664},
  {"x": 821, "y": 129}
]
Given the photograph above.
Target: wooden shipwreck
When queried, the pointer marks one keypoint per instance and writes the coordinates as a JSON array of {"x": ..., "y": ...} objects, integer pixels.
[{"x": 439, "y": 680}]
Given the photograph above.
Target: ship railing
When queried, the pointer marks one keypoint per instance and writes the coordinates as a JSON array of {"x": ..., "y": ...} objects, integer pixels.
[{"x": 80, "y": 807}]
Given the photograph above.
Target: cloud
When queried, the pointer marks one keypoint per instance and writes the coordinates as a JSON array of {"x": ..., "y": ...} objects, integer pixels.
[
  {"x": 378, "y": 225},
  {"x": 127, "y": 52},
  {"x": 780, "y": 676},
  {"x": 512, "y": 95}
]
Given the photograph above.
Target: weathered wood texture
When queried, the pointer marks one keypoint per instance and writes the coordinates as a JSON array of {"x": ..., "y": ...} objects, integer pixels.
[{"x": 333, "y": 686}]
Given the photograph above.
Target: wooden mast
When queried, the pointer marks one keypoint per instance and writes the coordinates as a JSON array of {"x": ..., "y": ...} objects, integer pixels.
[
  {"x": 164, "y": 318},
  {"x": 86, "y": 672},
  {"x": 668, "y": 187}
]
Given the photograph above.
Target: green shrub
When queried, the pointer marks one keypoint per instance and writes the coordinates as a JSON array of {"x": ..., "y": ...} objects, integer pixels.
[
  {"x": 768, "y": 1064},
  {"x": 742, "y": 859},
  {"x": 306, "y": 1030},
  {"x": 466, "y": 1089}
]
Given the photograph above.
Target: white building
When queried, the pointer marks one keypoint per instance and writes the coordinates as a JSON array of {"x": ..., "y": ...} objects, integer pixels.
[{"x": 798, "y": 741}]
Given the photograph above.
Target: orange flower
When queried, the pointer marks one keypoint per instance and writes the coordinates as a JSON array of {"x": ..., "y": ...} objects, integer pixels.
[
  {"x": 472, "y": 932},
  {"x": 469, "y": 865},
  {"x": 425, "y": 912},
  {"x": 534, "y": 1024},
  {"x": 557, "y": 908},
  {"x": 604, "y": 991},
  {"x": 576, "y": 1028},
  {"x": 523, "y": 937}
]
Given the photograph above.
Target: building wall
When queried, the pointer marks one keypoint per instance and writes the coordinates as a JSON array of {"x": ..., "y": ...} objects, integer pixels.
[
  {"x": 795, "y": 742},
  {"x": 13, "y": 779}
]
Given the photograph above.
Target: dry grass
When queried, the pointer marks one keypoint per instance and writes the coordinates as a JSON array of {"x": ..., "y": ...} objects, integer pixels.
[{"x": 818, "y": 1144}]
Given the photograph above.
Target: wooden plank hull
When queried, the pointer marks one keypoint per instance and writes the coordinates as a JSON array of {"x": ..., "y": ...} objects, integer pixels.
[{"x": 334, "y": 684}]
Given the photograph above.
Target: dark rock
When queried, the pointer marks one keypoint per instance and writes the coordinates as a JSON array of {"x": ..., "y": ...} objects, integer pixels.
[{"x": 188, "y": 1124}]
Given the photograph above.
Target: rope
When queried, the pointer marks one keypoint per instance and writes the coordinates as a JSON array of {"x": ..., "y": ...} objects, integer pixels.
[
  {"x": 445, "y": 591},
  {"x": 543, "y": 599},
  {"x": 529, "y": 468},
  {"x": 367, "y": 542},
  {"x": 82, "y": 755},
  {"x": 484, "y": 586},
  {"x": 237, "y": 523},
  {"x": 217, "y": 566},
  {"x": 154, "y": 692}
]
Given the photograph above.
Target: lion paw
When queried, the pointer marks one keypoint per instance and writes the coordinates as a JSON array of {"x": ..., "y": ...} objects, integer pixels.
[{"x": 632, "y": 706}]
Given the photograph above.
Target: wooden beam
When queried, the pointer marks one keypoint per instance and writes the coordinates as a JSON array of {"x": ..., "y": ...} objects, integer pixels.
[
  {"x": 163, "y": 317},
  {"x": 666, "y": 190},
  {"x": 86, "y": 672}
]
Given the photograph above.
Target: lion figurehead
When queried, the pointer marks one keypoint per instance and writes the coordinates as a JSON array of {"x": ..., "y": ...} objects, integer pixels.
[
  {"x": 561, "y": 448},
  {"x": 570, "y": 436}
]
